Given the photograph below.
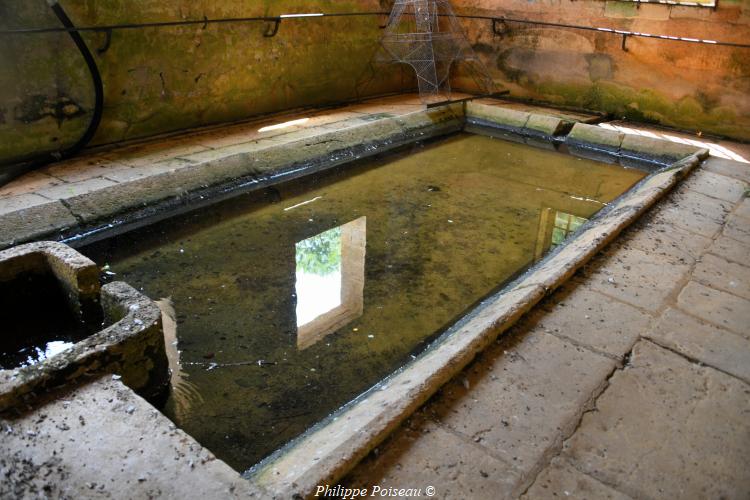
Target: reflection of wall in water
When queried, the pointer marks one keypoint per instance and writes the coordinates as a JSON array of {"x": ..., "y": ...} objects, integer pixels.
[{"x": 350, "y": 273}]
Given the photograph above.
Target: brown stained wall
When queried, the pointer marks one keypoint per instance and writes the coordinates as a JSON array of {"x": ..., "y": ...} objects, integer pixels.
[
  {"x": 683, "y": 85},
  {"x": 161, "y": 80}
]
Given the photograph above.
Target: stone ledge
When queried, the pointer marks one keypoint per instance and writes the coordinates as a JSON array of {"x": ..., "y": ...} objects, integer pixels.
[
  {"x": 520, "y": 123},
  {"x": 592, "y": 137},
  {"x": 100, "y": 440},
  {"x": 34, "y": 223},
  {"x": 651, "y": 149},
  {"x": 76, "y": 274},
  {"x": 235, "y": 168}
]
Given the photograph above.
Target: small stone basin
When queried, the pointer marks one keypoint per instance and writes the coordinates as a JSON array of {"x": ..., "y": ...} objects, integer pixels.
[{"x": 59, "y": 325}]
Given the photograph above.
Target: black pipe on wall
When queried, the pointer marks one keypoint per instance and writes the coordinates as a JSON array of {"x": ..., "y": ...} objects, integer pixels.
[{"x": 10, "y": 172}]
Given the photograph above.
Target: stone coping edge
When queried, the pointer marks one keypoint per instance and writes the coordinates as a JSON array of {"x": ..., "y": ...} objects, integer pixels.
[
  {"x": 329, "y": 450},
  {"x": 232, "y": 171}
]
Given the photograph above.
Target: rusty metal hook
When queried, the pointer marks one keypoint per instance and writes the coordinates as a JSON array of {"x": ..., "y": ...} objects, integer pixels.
[
  {"x": 107, "y": 40},
  {"x": 271, "y": 32}
]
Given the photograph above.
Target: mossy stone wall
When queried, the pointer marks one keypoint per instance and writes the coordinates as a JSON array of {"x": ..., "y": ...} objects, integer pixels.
[
  {"x": 689, "y": 86},
  {"x": 159, "y": 80}
]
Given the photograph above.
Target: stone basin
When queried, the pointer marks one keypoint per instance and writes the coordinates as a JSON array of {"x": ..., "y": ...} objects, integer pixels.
[{"x": 118, "y": 330}]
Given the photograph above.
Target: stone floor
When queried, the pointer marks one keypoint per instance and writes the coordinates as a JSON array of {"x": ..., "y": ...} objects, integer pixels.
[{"x": 631, "y": 381}]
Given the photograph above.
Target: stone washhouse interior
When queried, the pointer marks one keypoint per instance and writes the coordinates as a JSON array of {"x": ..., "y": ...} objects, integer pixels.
[{"x": 489, "y": 249}]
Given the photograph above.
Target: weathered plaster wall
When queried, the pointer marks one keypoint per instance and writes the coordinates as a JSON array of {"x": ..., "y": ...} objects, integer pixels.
[
  {"x": 684, "y": 85},
  {"x": 160, "y": 80}
]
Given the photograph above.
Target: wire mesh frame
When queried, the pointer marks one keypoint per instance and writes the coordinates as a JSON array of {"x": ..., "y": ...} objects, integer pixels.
[{"x": 426, "y": 35}]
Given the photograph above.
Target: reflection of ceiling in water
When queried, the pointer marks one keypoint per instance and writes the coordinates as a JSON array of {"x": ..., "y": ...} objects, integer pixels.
[{"x": 330, "y": 276}]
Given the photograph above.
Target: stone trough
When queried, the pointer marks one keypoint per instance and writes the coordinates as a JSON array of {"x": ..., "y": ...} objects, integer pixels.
[{"x": 126, "y": 332}]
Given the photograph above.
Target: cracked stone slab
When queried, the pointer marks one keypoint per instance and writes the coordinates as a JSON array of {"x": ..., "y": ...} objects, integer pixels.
[
  {"x": 425, "y": 454},
  {"x": 707, "y": 343},
  {"x": 561, "y": 480},
  {"x": 717, "y": 307},
  {"x": 101, "y": 440},
  {"x": 523, "y": 396},
  {"x": 667, "y": 428}
]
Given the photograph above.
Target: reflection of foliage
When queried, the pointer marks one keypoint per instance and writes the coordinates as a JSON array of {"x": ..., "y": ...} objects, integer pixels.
[
  {"x": 320, "y": 254},
  {"x": 564, "y": 225}
]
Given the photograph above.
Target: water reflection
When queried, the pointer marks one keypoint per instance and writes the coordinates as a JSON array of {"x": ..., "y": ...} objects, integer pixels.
[
  {"x": 330, "y": 277},
  {"x": 554, "y": 228},
  {"x": 37, "y": 354},
  {"x": 184, "y": 393}
]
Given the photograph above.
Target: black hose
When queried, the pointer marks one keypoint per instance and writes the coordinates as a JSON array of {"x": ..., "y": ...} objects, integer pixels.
[{"x": 10, "y": 172}]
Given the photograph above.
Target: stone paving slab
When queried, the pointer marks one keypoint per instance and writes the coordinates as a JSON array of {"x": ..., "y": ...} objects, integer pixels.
[
  {"x": 723, "y": 275},
  {"x": 743, "y": 209},
  {"x": 638, "y": 278},
  {"x": 704, "y": 342},
  {"x": 114, "y": 445},
  {"x": 423, "y": 454},
  {"x": 717, "y": 307},
  {"x": 729, "y": 168},
  {"x": 731, "y": 250},
  {"x": 69, "y": 190},
  {"x": 692, "y": 425},
  {"x": 715, "y": 185},
  {"x": 561, "y": 480},
  {"x": 22, "y": 201},
  {"x": 29, "y": 183},
  {"x": 660, "y": 238},
  {"x": 523, "y": 396},
  {"x": 590, "y": 319},
  {"x": 738, "y": 228},
  {"x": 694, "y": 212}
]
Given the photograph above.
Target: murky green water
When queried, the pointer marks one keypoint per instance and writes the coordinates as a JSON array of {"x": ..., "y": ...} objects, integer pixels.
[{"x": 279, "y": 310}]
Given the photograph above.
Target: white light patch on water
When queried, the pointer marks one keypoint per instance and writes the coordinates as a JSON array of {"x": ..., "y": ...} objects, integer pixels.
[
  {"x": 316, "y": 295},
  {"x": 51, "y": 349},
  {"x": 302, "y": 203}
]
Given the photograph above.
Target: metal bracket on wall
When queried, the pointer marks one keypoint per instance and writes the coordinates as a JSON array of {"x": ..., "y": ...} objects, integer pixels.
[
  {"x": 624, "y": 41},
  {"x": 107, "y": 41},
  {"x": 271, "y": 31},
  {"x": 503, "y": 27}
]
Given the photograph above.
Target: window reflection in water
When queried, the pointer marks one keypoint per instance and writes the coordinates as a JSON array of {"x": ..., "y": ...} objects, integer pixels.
[
  {"x": 330, "y": 277},
  {"x": 554, "y": 228}
]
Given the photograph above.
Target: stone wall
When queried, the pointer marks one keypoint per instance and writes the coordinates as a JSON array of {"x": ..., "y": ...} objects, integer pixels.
[
  {"x": 685, "y": 85},
  {"x": 164, "y": 79}
]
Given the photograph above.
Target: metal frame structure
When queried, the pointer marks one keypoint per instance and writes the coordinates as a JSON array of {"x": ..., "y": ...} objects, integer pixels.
[{"x": 426, "y": 35}]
